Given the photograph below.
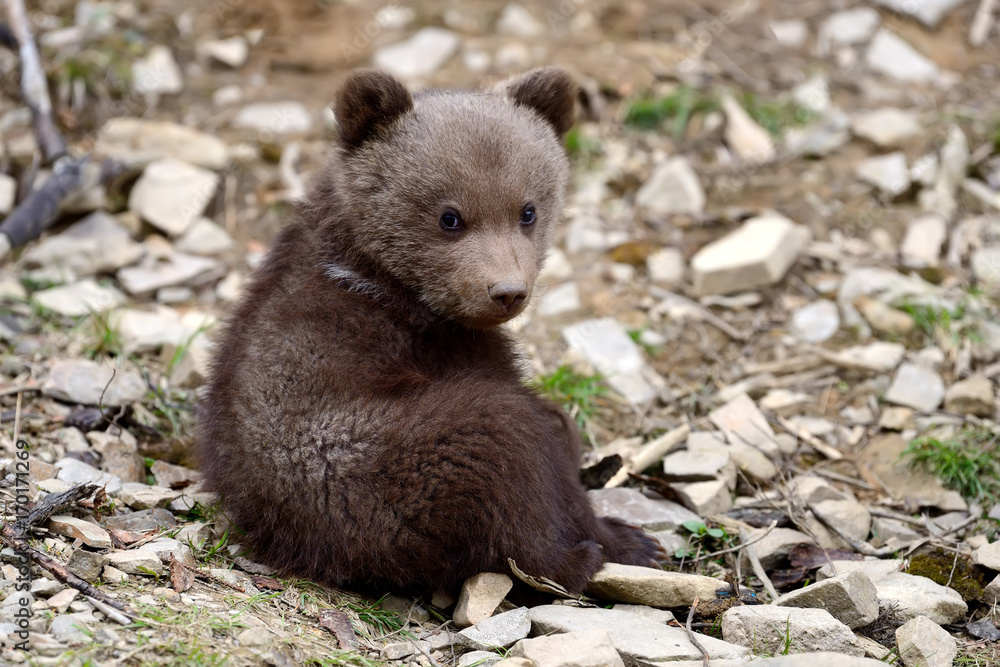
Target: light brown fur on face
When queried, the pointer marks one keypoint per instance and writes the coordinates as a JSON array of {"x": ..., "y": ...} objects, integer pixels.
[{"x": 366, "y": 423}]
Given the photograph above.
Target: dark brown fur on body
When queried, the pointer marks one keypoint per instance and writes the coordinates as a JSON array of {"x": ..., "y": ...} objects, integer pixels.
[{"x": 366, "y": 422}]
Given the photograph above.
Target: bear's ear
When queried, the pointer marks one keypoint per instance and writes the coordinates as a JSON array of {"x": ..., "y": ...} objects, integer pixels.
[
  {"x": 368, "y": 101},
  {"x": 549, "y": 91}
]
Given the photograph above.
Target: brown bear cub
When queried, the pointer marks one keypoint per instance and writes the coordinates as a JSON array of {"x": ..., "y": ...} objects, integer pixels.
[{"x": 366, "y": 422}]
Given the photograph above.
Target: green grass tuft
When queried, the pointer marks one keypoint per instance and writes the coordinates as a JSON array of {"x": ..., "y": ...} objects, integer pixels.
[
  {"x": 677, "y": 108},
  {"x": 575, "y": 392},
  {"x": 966, "y": 462}
]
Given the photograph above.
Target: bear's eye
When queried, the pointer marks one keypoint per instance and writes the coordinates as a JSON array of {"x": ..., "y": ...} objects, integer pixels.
[
  {"x": 451, "y": 221},
  {"x": 528, "y": 215}
]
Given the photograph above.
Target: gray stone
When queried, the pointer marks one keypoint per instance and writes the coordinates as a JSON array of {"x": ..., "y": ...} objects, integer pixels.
[
  {"x": 972, "y": 396},
  {"x": 135, "y": 142},
  {"x": 690, "y": 466},
  {"x": 46, "y": 587},
  {"x": 61, "y": 601},
  {"x": 559, "y": 299},
  {"x": 90, "y": 534},
  {"x": 985, "y": 264},
  {"x": 918, "y": 596},
  {"x": 500, "y": 630},
  {"x": 172, "y": 194},
  {"x": 744, "y": 424},
  {"x": 586, "y": 648},
  {"x": 96, "y": 244},
  {"x": 141, "y": 522},
  {"x": 479, "y": 659},
  {"x": 888, "y": 173},
  {"x": 112, "y": 575},
  {"x": 169, "y": 475},
  {"x": 651, "y": 587},
  {"x": 879, "y": 357},
  {"x": 637, "y": 509},
  {"x": 204, "y": 237},
  {"x": 928, "y": 12},
  {"x": 79, "y": 299},
  {"x": 651, "y": 613},
  {"x": 706, "y": 498},
  {"x": 923, "y": 241},
  {"x": 275, "y": 118},
  {"x": 988, "y": 556},
  {"x": 518, "y": 21},
  {"x": 74, "y": 471},
  {"x": 638, "y": 640},
  {"x": 887, "y": 532},
  {"x": 745, "y": 138},
  {"x": 924, "y": 643},
  {"x": 420, "y": 55},
  {"x": 916, "y": 387},
  {"x": 84, "y": 382},
  {"x": 991, "y": 593},
  {"x": 887, "y": 126},
  {"x": 606, "y": 345},
  {"x": 954, "y": 161},
  {"x": 850, "y": 598},
  {"x": 844, "y": 28},
  {"x": 157, "y": 73},
  {"x": 776, "y": 546},
  {"x": 889, "y": 55},
  {"x": 816, "y": 322},
  {"x": 767, "y": 629},
  {"x": 175, "y": 269},
  {"x": 758, "y": 254},
  {"x": 848, "y": 516},
  {"x": 166, "y": 548},
  {"x": 86, "y": 564},
  {"x": 147, "y": 331},
  {"x": 673, "y": 187},
  {"x": 136, "y": 561},
  {"x": 144, "y": 497},
  {"x": 480, "y": 596},
  {"x": 69, "y": 628}
]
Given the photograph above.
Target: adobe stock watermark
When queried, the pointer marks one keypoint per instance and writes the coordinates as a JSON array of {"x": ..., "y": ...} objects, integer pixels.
[{"x": 22, "y": 585}]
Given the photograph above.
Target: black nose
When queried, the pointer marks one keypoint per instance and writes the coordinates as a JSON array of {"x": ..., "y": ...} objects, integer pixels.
[{"x": 508, "y": 294}]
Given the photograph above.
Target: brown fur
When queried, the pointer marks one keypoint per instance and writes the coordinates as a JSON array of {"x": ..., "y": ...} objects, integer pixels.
[{"x": 366, "y": 422}]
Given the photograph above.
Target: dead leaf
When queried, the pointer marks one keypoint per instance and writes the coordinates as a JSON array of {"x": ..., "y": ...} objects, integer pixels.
[
  {"x": 181, "y": 578},
  {"x": 339, "y": 624},
  {"x": 267, "y": 582}
]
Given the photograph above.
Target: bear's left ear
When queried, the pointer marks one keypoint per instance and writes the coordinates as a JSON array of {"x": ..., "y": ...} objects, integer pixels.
[
  {"x": 367, "y": 102},
  {"x": 549, "y": 91}
]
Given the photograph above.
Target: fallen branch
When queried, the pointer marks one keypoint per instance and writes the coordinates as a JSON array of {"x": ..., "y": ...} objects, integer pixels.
[
  {"x": 52, "y": 504},
  {"x": 981, "y": 22},
  {"x": 648, "y": 454},
  {"x": 690, "y": 634},
  {"x": 34, "y": 85}
]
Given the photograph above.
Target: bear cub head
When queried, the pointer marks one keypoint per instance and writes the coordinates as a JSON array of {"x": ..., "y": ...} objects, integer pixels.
[{"x": 455, "y": 194}]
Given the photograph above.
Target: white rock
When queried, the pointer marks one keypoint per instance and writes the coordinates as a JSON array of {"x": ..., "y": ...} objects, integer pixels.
[
  {"x": 79, "y": 299},
  {"x": 144, "y": 497},
  {"x": 972, "y": 396},
  {"x": 748, "y": 140},
  {"x": 204, "y": 237},
  {"x": 988, "y": 556},
  {"x": 666, "y": 266},
  {"x": 557, "y": 268},
  {"x": 136, "y": 561},
  {"x": 518, "y": 21},
  {"x": 71, "y": 629},
  {"x": 756, "y": 255},
  {"x": 744, "y": 424},
  {"x": 850, "y": 598},
  {"x": 233, "y": 51},
  {"x": 82, "y": 381},
  {"x": 699, "y": 466},
  {"x": 190, "y": 370},
  {"x": 916, "y": 387},
  {"x": 8, "y": 192},
  {"x": 886, "y": 126},
  {"x": 928, "y": 12},
  {"x": 705, "y": 498},
  {"x": 814, "y": 94},
  {"x": 227, "y": 96},
  {"x": 633, "y": 507},
  {"x": 166, "y": 547},
  {"x": 136, "y": 142},
  {"x": 74, "y": 471},
  {"x": 766, "y": 628},
  {"x": 792, "y": 33},
  {"x": 157, "y": 73},
  {"x": 923, "y": 242},
  {"x": 924, "y": 643},
  {"x": 558, "y": 299},
  {"x": 172, "y": 194},
  {"x": 919, "y": 596},
  {"x": 146, "y": 331},
  {"x": 673, "y": 187},
  {"x": 874, "y": 569},
  {"x": 175, "y": 269},
  {"x": 954, "y": 162},
  {"x": 501, "y": 630},
  {"x": 96, "y": 244},
  {"x": 888, "y": 173},
  {"x": 606, "y": 345},
  {"x": 847, "y": 27},
  {"x": 91, "y": 534},
  {"x": 985, "y": 264},
  {"x": 651, "y": 587},
  {"x": 479, "y": 598},
  {"x": 420, "y": 55},
  {"x": 587, "y": 648},
  {"x": 275, "y": 118},
  {"x": 888, "y": 54},
  {"x": 816, "y": 322}
]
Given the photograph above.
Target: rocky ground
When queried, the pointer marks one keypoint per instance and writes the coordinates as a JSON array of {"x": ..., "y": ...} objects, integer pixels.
[{"x": 772, "y": 309}]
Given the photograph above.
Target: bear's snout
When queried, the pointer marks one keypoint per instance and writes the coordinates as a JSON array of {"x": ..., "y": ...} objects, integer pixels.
[{"x": 508, "y": 294}]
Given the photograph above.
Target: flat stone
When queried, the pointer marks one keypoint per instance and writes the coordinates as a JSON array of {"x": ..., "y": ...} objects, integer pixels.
[
  {"x": 743, "y": 423},
  {"x": 169, "y": 475},
  {"x": 706, "y": 498},
  {"x": 46, "y": 587},
  {"x": 848, "y": 27},
  {"x": 92, "y": 535},
  {"x": 651, "y": 613},
  {"x": 750, "y": 461},
  {"x": 518, "y": 21},
  {"x": 73, "y": 472},
  {"x": 666, "y": 266},
  {"x": 985, "y": 264},
  {"x": 606, "y": 345},
  {"x": 887, "y": 127},
  {"x": 501, "y": 630},
  {"x": 972, "y": 396},
  {"x": 156, "y": 273},
  {"x": 816, "y": 322},
  {"x": 879, "y": 357},
  {"x": 988, "y": 556},
  {"x": 672, "y": 188},
  {"x": 918, "y": 596},
  {"x": 850, "y": 598},
  {"x": 822, "y": 658},
  {"x": 135, "y": 142},
  {"x": 924, "y": 239},
  {"x": 84, "y": 382},
  {"x": 272, "y": 118},
  {"x": 70, "y": 629},
  {"x": 480, "y": 596},
  {"x": 745, "y": 138},
  {"x": 890, "y": 56},
  {"x": 917, "y": 387},
  {"x": 756, "y": 255},
  {"x": 142, "y": 521},
  {"x": 559, "y": 299},
  {"x": 774, "y": 549},
  {"x": 638, "y": 640},
  {"x": 888, "y": 173},
  {"x": 112, "y": 575},
  {"x": 96, "y": 244},
  {"x": 136, "y": 561},
  {"x": 144, "y": 497},
  {"x": 690, "y": 466},
  {"x": 421, "y": 55},
  {"x": 204, "y": 237},
  {"x": 651, "y": 587},
  {"x": 586, "y": 648},
  {"x": 157, "y": 73},
  {"x": 848, "y": 516},
  {"x": 166, "y": 548},
  {"x": 233, "y": 51},
  {"x": 633, "y": 507},
  {"x": 172, "y": 194},
  {"x": 476, "y": 659},
  {"x": 883, "y": 318},
  {"x": 924, "y": 643},
  {"x": 79, "y": 299},
  {"x": 766, "y": 628},
  {"x": 8, "y": 193},
  {"x": 86, "y": 564},
  {"x": 928, "y": 12},
  {"x": 914, "y": 487}
]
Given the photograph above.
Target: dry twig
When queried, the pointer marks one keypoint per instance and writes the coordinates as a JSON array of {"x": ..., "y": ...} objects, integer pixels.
[{"x": 690, "y": 634}]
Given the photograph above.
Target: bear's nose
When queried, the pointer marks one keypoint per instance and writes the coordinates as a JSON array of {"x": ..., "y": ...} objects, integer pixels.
[{"x": 508, "y": 294}]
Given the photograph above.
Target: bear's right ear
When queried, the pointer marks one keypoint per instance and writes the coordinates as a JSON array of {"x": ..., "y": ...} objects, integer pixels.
[{"x": 367, "y": 102}]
